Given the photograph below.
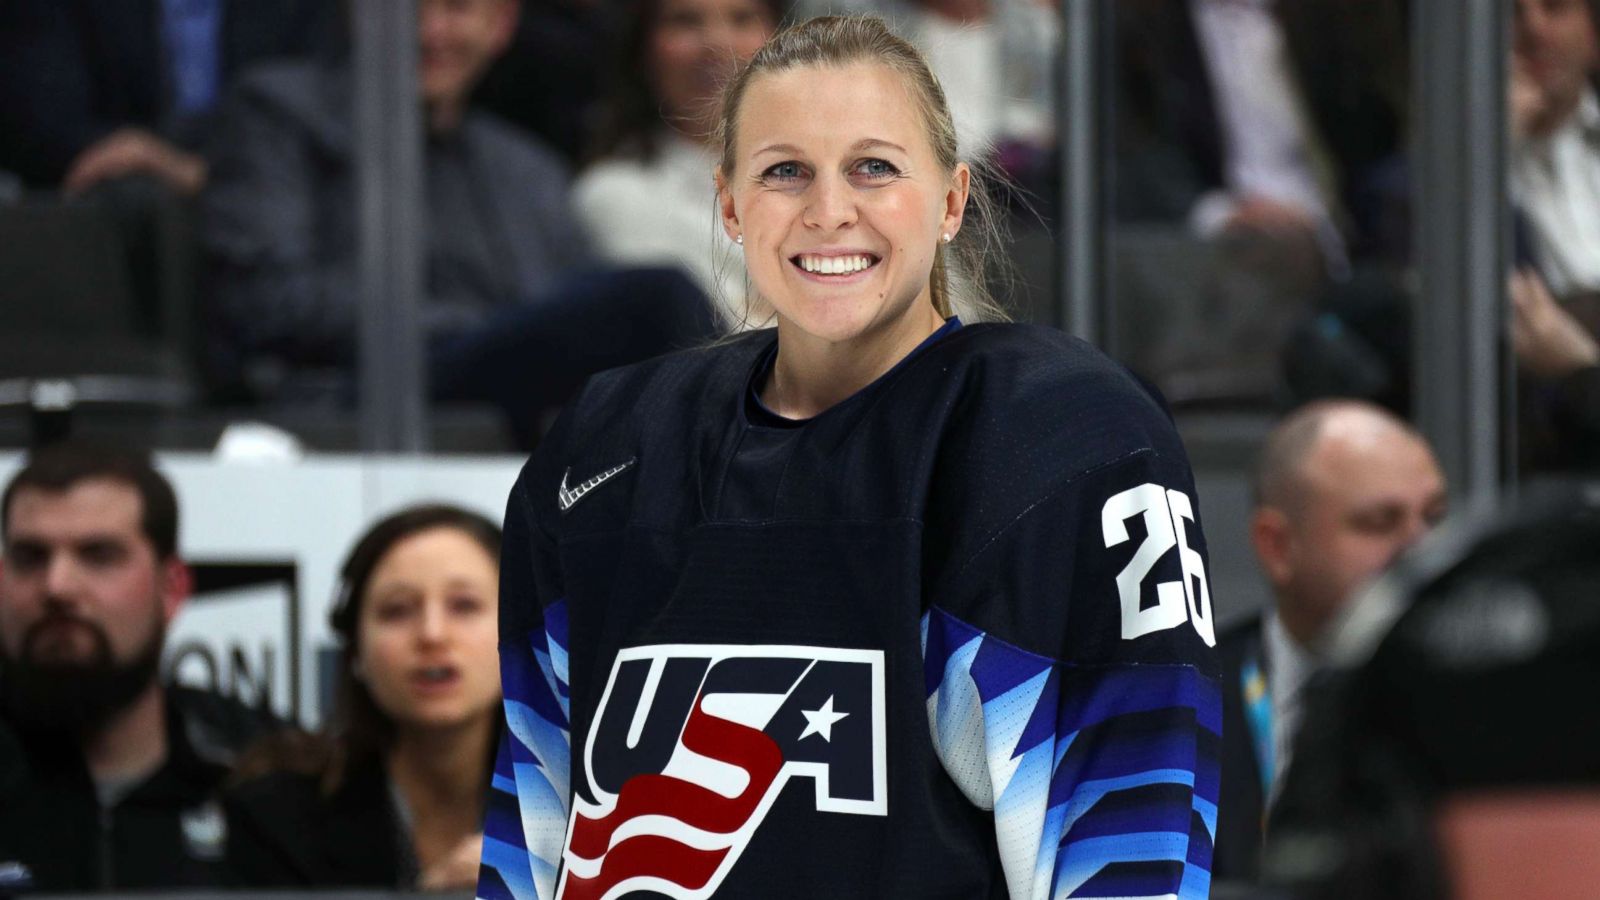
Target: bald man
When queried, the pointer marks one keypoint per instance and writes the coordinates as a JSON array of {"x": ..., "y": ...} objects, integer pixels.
[{"x": 1341, "y": 489}]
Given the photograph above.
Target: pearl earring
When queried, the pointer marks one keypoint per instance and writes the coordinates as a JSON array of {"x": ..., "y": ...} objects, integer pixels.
[
  {"x": 738, "y": 239},
  {"x": 945, "y": 238}
]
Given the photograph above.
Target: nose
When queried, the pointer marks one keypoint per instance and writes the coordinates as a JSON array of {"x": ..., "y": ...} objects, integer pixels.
[
  {"x": 831, "y": 205},
  {"x": 1415, "y": 527},
  {"x": 61, "y": 578},
  {"x": 434, "y": 625}
]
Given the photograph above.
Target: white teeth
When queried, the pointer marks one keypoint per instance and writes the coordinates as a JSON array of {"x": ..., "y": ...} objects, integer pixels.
[{"x": 834, "y": 265}]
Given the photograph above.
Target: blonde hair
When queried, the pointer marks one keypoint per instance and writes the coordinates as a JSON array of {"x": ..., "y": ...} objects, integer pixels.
[{"x": 959, "y": 280}]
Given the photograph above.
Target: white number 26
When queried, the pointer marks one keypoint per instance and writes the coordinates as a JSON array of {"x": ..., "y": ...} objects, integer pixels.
[{"x": 1165, "y": 513}]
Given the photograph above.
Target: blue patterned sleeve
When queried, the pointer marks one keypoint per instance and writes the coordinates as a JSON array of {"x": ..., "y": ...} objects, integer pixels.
[
  {"x": 1094, "y": 742},
  {"x": 526, "y": 817}
]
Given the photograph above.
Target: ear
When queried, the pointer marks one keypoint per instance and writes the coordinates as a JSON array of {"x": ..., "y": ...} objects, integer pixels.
[
  {"x": 725, "y": 207},
  {"x": 177, "y": 583},
  {"x": 955, "y": 199},
  {"x": 1270, "y": 536}
]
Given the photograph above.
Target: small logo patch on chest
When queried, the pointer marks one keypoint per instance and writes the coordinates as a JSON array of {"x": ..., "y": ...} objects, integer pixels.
[{"x": 567, "y": 497}]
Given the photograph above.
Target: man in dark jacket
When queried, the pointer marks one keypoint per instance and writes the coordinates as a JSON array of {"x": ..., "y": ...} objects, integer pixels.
[
  {"x": 510, "y": 314},
  {"x": 111, "y": 778},
  {"x": 280, "y": 213},
  {"x": 1342, "y": 488}
]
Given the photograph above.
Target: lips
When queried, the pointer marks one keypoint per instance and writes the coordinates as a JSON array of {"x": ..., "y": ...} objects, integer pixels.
[
  {"x": 835, "y": 266},
  {"x": 433, "y": 678}
]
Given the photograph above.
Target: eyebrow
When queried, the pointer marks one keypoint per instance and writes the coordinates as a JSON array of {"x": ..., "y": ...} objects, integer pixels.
[{"x": 858, "y": 146}]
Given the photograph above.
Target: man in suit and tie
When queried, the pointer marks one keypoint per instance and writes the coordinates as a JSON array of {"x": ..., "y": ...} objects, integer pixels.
[
  {"x": 1342, "y": 488},
  {"x": 1259, "y": 160}
]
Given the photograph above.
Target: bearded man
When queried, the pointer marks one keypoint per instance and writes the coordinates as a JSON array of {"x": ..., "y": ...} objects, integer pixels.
[{"x": 113, "y": 774}]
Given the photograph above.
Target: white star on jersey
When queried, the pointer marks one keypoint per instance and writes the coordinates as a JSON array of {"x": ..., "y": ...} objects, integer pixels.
[{"x": 820, "y": 721}]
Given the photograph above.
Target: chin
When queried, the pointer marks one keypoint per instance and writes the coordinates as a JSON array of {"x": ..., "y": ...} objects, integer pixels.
[
  {"x": 834, "y": 330},
  {"x": 448, "y": 716},
  {"x": 435, "y": 720},
  {"x": 834, "y": 319}
]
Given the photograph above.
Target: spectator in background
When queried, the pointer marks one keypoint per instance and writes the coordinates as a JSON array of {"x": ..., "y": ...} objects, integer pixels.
[
  {"x": 1341, "y": 489},
  {"x": 93, "y": 91},
  {"x": 1554, "y": 116},
  {"x": 1558, "y": 391},
  {"x": 1555, "y": 132},
  {"x": 645, "y": 199},
  {"x": 280, "y": 213},
  {"x": 510, "y": 315},
  {"x": 550, "y": 79},
  {"x": 391, "y": 793},
  {"x": 1450, "y": 751},
  {"x": 996, "y": 62},
  {"x": 1263, "y": 140},
  {"x": 115, "y": 785}
]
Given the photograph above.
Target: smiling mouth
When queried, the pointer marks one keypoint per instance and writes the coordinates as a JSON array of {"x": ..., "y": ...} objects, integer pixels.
[{"x": 838, "y": 266}]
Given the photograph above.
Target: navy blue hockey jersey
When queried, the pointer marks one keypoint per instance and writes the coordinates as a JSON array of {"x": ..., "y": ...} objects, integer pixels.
[{"x": 950, "y": 638}]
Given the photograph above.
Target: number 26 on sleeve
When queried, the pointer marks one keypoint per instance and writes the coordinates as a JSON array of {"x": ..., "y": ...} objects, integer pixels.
[{"x": 1167, "y": 513}]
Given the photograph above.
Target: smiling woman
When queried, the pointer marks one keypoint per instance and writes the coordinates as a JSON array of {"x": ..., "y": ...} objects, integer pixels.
[
  {"x": 877, "y": 75},
  {"x": 870, "y": 603}
]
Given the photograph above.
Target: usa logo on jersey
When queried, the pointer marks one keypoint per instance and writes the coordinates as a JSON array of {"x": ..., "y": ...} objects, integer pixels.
[{"x": 693, "y": 743}]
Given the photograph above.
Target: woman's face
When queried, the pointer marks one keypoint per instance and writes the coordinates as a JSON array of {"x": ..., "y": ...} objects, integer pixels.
[
  {"x": 694, "y": 47},
  {"x": 427, "y": 650},
  {"x": 839, "y": 198}
]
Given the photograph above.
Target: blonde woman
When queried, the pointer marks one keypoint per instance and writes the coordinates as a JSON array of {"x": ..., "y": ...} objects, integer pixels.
[{"x": 882, "y": 601}]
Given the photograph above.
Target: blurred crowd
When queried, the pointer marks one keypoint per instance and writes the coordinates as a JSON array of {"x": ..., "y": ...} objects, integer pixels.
[
  {"x": 1378, "y": 739},
  {"x": 178, "y": 195},
  {"x": 179, "y": 205}
]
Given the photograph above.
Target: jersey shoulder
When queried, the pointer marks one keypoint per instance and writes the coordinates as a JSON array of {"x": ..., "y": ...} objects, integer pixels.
[
  {"x": 1045, "y": 406},
  {"x": 1043, "y": 430}
]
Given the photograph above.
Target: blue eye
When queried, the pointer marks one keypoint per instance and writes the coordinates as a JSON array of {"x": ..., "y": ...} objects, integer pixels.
[
  {"x": 877, "y": 168},
  {"x": 784, "y": 171}
]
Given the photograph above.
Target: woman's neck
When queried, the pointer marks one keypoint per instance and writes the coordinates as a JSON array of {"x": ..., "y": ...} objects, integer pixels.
[
  {"x": 811, "y": 375},
  {"x": 443, "y": 774}
]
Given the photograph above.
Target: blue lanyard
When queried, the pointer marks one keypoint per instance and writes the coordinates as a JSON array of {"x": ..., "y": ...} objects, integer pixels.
[{"x": 1258, "y": 714}]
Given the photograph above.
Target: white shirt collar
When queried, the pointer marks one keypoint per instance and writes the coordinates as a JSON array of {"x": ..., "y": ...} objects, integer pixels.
[{"x": 1289, "y": 665}]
